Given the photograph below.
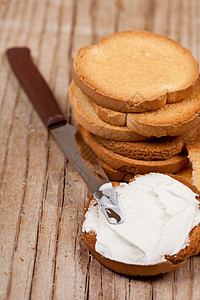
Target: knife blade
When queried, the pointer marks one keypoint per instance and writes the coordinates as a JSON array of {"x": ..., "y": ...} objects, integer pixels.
[{"x": 67, "y": 135}]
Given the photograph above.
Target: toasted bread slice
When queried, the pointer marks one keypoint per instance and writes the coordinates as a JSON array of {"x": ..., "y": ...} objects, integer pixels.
[
  {"x": 173, "y": 119},
  {"x": 128, "y": 269},
  {"x": 194, "y": 157},
  {"x": 110, "y": 116},
  {"x": 157, "y": 149},
  {"x": 87, "y": 117},
  {"x": 186, "y": 174},
  {"x": 172, "y": 262},
  {"x": 135, "y": 71},
  {"x": 122, "y": 163},
  {"x": 116, "y": 175},
  {"x": 193, "y": 148}
]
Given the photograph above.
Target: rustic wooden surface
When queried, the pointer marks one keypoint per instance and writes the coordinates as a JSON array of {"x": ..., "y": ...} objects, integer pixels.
[{"x": 42, "y": 254}]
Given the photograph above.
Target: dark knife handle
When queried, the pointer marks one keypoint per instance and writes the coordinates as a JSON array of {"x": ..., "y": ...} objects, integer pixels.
[{"x": 35, "y": 87}]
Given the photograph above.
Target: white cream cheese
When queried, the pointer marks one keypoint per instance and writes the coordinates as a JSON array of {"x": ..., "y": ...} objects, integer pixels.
[{"x": 159, "y": 214}]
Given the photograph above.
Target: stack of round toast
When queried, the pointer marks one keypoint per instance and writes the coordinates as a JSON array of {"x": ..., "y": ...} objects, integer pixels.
[{"x": 136, "y": 97}]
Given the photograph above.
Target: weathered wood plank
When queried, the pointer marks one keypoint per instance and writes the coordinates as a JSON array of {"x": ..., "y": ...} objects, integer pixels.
[
  {"x": 71, "y": 264},
  {"x": 82, "y": 26},
  {"x": 23, "y": 259},
  {"x": 6, "y": 19},
  {"x": 44, "y": 269},
  {"x": 141, "y": 288},
  {"x": 195, "y": 269},
  {"x": 16, "y": 279},
  {"x": 7, "y": 107},
  {"x": 47, "y": 235},
  {"x": 134, "y": 15},
  {"x": 183, "y": 282},
  {"x": 15, "y": 118},
  {"x": 103, "y": 18},
  {"x": 163, "y": 287},
  {"x": 12, "y": 192},
  {"x": 24, "y": 255},
  {"x": 72, "y": 259}
]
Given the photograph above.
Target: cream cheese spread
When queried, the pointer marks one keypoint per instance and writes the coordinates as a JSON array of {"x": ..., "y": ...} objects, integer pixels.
[{"x": 159, "y": 214}]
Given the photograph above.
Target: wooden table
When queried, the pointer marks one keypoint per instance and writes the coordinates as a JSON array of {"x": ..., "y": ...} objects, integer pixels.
[{"x": 43, "y": 255}]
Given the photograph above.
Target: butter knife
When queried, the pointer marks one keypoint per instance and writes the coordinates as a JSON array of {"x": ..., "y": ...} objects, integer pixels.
[{"x": 67, "y": 135}]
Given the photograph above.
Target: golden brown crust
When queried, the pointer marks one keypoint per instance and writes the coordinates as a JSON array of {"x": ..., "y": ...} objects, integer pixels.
[
  {"x": 133, "y": 104},
  {"x": 122, "y": 163},
  {"x": 149, "y": 130},
  {"x": 87, "y": 117},
  {"x": 119, "y": 119},
  {"x": 116, "y": 104},
  {"x": 193, "y": 148},
  {"x": 186, "y": 174},
  {"x": 157, "y": 149},
  {"x": 110, "y": 116},
  {"x": 174, "y": 119},
  {"x": 182, "y": 94},
  {"x": 172, "y": 263},
  {"x": 189, "y": 250},
  {"x": 115, "y": 175},
  {"x": 127, "y": 269}
]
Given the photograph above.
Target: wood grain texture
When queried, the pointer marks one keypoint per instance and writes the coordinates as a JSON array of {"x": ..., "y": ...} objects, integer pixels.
[{"x": 43, "y": 255}]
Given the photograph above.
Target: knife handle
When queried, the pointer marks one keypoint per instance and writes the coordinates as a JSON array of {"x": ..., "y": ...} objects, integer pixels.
[{"x": 35, "y": 87}]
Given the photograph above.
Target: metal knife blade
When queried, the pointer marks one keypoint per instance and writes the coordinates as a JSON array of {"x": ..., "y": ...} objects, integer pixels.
[
  {"x": 68, "y": 137},
  {"x": 80, "y": 155}
]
